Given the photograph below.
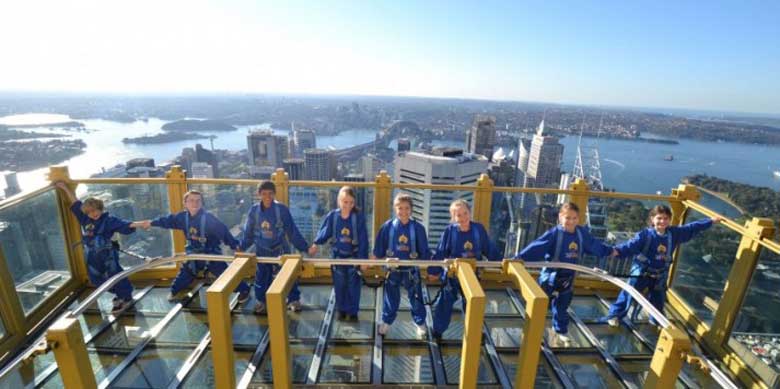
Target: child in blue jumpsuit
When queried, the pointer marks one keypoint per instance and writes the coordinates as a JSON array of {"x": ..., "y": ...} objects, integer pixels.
[
  {"x": 462, "y": 239},
  {"x": 652, "y": 249},
  {"x": 565, "y": 242},
  {"x": 204, "y": 232},
  {"x": 346, "y": 226},
  {"x": 268, "y": 226},
  {"x": 97, "y": 228},
  {"x": 402, "y": 238}
]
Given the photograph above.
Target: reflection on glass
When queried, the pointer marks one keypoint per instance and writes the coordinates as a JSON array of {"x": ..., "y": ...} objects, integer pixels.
[
  {"x": 156, "y": 301},
  {"x": 577, "y": 338},
  {"x": 90, "y": 321},
  {"x": 545, "y": 377},
  {"x": 455, "y": 330},
  {"x": 506, "y": 333},
  {"x": 703, "y": 266},
  {"x": 361, "y": 329},
  {"x": 229, "y": 203},
  {"x": 409, "y": 364},
  {"x": 202, "y": 374},
  {"x": 24, "y": 373},
  {"x": 34, "y": 247},
  {"x": 154, "y": 368},
  {"x": 126, "y": 333},
  {"x": 104, "y": 363},
  {"x": 403, "y": 328},
  {"x": 498, "y": 302},
  {"x": 308, "y": 206},
  {"x": 305, "y": 324},
  {"x": 451, "y": 358},
  {"x": 649, "y": 331},
  {"x": 137, "y": 202},
  {"x": 186, "y": 328},
  {"x": 103, "y": 303},
  {"x": 588, "y": 371},
  {"x": 315, "y": 296},
  {"x": 618, "y": 340},
  {"x": 301, "y": 359},
  {"x": 588, "y": 308},
  {"x": 346, "y": 364},
  {"x": 249, "y": 329},
  {"x": 636, "y": 372},
  {"x": 367, "y": 297}
]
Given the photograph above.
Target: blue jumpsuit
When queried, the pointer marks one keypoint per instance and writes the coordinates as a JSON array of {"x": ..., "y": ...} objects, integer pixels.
[
  {"x": 350, "y": 240},
  {"x": 454, "y": 243},
  {"x": 396, "y": 240},
  {"x": 652, "y": 258},
  {"x": 557, "y": 245},
  {"x": 268, "y": 229},
  {"x": 204, "y": 233},
  {"x": 102, "y": 256}
]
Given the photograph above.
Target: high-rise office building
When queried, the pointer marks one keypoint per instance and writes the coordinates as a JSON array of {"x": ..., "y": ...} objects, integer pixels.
[
  {"x": 202, "y": 170},
  {"x": 371, "y": 166},
  {"x": 303, "y": 139},
  {"x": 448, "y": 166},
  {"x": 544, "y": 160},
  {"x": 319, "y": 165},
  {"x": 294, "y": 168},
  {"x": 481, "y": 137},
  {"x": 266, "y": 152}
]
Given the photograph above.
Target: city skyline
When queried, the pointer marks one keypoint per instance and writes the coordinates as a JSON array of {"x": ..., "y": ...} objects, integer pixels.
[{"x": 684, "y": 56}]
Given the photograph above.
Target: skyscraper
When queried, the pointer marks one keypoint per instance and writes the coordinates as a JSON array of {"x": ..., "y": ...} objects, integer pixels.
[
  {"x": 303, "y": 139},
  {"x": 294, "y": 168},
  {"x": 370, "y": 166},
  {"x": 448, "y": 166},
  {"x": 544, "y": 160},
  {"x": 266, "y": 152},
  {"x": 481, "y": 137},
  {"x": 319, "y": 165},
  {"x": 202, "y": 170}
]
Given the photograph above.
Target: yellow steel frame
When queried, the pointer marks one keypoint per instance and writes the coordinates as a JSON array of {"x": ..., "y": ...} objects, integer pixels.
[
  {"x": 281, "y": 359},
  {"x": 472, "y": 323},
  {"x": 70, "y": 352},
  {"x": 221, "y": 322},
  {"x": 670, "y": 351},
  {"x": 536, "y": 302},
  {"x": 755, "y": 235}
]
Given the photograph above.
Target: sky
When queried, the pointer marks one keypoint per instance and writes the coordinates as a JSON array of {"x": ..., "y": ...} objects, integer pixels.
[{"x": 722, "y": 56}]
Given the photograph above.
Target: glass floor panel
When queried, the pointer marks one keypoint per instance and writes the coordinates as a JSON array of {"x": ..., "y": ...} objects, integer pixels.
[
  {"x": 367, "y": 297},
  {"x": 127, "y": 332},
  {"x": 185, "y": 328},
  {"x": 103, "y": 304},
  {"x": 315, "y": 296},
  {"x": 455, "y": 330},
  {"x": 618, "y": 340},
  {"x": 154, "y": 368},
  {"x": 103, "y": 363},
  {"x": 248, "y": 330},
  {"x": 589, "y": 371},
  {"x": 506, "y": 332},
  {"x": 305, "y": 324},
  {"x": 362, "y": 329},
  {"x": 407, "y": 364},
  {"x": 636, "y": 372},
  {"x": 545, "y": 377},
  {"x": 156, "y": 301},
  {"x": 90, "y": 321},
  {"x": 451, "y": 358},
  {"x": 403, "y": 328},
  {"x": 499, "y": 302},
  {"x": 202, "y": 374},
  {"x": 649, "y": 331},
  {"x": 589, "y": 308},
  {"x": 346, "y": 364},
  {"x": 24, "y": 374},
  {"x": 578, "y": 339},
  {"x": 301, "y": 356}
]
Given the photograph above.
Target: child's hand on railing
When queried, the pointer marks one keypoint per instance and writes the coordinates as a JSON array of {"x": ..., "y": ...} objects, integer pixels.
[
  {"x": 313, "y": 250},
  {"x": 716, "y": 219}
]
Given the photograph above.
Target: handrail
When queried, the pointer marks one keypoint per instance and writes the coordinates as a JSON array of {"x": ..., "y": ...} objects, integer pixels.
[{"x": 390, "y": 262}]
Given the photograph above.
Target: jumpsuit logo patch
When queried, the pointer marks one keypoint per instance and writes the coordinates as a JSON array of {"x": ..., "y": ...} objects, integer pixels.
[
  {"x": 661, "y": 252},
  {"x": 403, "y": 243},
  {"x": 89, "y": 230},
  {"x": 265, "y": 226},
  {"x": 345, "y": 238},
  {"x": 467, "y": 247},
  {"x": 193, "y": 232},
  {"x": 573, "y": 250}
]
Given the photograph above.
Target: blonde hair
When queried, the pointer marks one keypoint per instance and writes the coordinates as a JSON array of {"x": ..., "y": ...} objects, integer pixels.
[
  {"x": 193, "y": 192},
  {"x": 349, "y": 191},
  {"x": 404, "y": 198},
  {"x": 459, "y": 203},
  {"x": 569, "y": 207},
  {"x": 93, "y": 203}
]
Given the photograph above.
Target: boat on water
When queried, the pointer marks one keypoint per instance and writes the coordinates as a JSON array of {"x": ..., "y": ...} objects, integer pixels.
[{"x": 669, "y": 157}]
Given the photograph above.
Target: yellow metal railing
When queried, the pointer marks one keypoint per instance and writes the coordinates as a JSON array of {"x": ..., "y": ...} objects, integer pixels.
[{"x": 756, "y": 235}]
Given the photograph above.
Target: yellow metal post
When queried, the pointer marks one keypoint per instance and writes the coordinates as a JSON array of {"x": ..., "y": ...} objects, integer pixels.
[
  {"x": 67, "y": 341},
  {"x": 581, "y": 198},
  {"x": 176, "y": 179},
  {"x": 281, "y": 359},
  {"x": 536, "y": 302},
  {"x": 739, "y": 279},
  {"x": 483, "y": 200},
  {"x": 670, "y": 351},
  {"x": 679, "y": 210},
  {"x": 220, "y": 320},
  {"x": 71, "y": 226},
  {"x": 282, "y": 183},
  {"x": 383, "y": 191},
  {"x": 10, "y": 306},
  {"x": 472, "y": 323}
]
